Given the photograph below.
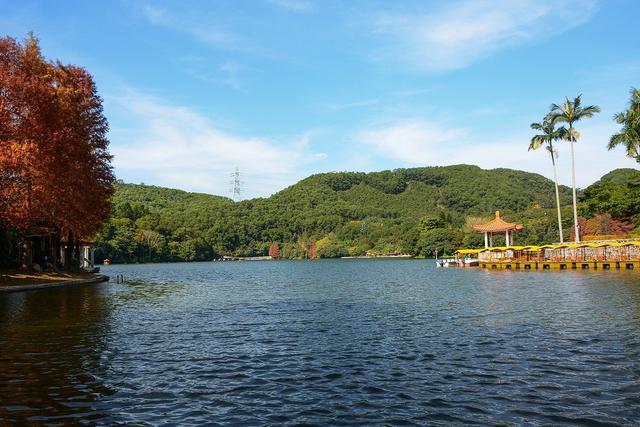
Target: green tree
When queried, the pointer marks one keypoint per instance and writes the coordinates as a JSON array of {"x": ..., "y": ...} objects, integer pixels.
[
  {"x": 629, "y": 135},
  {"x": 430, "y": 223},
  {"x": 330, "y": 247},
  {"x": 570, "y": 112},
  {"x": 547, "y": 136},
  {"x": 445, "y": 240},
  {"x": 151, "y": 240},
  {"x": 121, "y": 238},
  {"x": 617, "y": 193}
]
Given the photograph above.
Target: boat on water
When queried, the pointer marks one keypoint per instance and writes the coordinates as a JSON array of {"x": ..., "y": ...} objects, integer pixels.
[
  {"x": 463, "y": 258},
  {"x": 446, "y": 262},
  {"x": 467, "y": 257}
]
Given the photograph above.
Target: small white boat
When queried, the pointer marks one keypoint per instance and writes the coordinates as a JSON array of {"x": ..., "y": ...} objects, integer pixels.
[
  {"x": 467, "y": 258},
  {"x": 446, "y": 263}
]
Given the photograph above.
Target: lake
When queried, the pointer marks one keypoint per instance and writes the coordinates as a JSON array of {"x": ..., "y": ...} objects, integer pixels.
[{"x": 335, "y": 342}]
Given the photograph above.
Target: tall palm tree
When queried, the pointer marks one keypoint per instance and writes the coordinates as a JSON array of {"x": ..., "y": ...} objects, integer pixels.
[
  {"x": 571, "y": 112},
  {"x": 548, "y": 135},
  {"x": 629, "y": 135}
]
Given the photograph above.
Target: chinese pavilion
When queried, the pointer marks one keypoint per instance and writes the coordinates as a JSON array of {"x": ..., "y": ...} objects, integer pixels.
[{"x": 497, "y": 225}]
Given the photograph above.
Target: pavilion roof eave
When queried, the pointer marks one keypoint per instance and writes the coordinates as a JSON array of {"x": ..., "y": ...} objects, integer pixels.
[
  {"x": 497, "y": 225},
  {"x": 497, "y": 229}
]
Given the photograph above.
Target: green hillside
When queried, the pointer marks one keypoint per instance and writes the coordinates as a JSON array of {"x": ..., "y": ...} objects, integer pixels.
[
  {"x": 616, "y": 193},
  {"x": 335, "y": 214}
]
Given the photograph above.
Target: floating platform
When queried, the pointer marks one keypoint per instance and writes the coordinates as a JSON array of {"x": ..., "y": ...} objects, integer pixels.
[{"x": 560, "y": 265}]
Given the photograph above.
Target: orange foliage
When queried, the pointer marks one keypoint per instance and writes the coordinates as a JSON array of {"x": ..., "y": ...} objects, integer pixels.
[
  {"x": 603, "y": 225},
  {"x": 312, "y": 251},
  {"x": 274, "y": 251},
  {"x": 55, "y": 169}
]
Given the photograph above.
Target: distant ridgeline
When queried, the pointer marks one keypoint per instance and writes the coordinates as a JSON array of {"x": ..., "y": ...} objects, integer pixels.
[{"x": 404, "y": 211}]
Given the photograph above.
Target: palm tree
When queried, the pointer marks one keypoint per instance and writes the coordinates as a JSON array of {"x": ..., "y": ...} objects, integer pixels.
[
  {"x": 630, "y": 133},
  {"x": 571, "y": 112},
  {"x": 548, "y": 135}
]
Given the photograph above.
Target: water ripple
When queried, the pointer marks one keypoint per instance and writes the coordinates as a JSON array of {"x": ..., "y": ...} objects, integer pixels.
[{"x": 325, "y": 343}]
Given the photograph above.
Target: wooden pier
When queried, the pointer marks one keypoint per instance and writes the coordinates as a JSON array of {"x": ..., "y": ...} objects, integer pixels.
[
  {"x": 602, "y": 255},
  {"x": 560, "y": 265}
]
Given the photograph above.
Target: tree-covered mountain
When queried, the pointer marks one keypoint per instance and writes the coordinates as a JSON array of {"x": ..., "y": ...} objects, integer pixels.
[
  {"x": 616, "y": 193},
  {"x": 334, "y": 214}
]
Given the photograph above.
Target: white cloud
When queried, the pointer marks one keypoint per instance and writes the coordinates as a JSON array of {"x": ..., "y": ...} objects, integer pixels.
[
  {"x": 418, "y": 142},
  {"x": 176, "y": 147},
  {"x": 413, "y": 141},
  {"x": 464, "y": 32}
]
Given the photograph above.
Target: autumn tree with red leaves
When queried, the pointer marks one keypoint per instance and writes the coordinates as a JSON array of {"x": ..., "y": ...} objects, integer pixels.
[
  {"x": 55, "y": 168},
  {"x": 603, "y": 226},
  {"x": 312, "y": 251},
  {"x": 274, "y": 251}
]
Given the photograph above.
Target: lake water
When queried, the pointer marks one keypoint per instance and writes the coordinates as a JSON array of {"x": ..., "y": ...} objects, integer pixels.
[{"x": 325, "y": 342}]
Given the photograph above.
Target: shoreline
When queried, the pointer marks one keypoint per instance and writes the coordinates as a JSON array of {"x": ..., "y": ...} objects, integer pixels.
[
  {"x": 99, "y": 278},
  {"x": 377, "y": 256}
]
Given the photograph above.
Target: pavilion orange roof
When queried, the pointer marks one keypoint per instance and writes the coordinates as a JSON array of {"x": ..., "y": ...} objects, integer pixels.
[{"x": 497, "y": 225}]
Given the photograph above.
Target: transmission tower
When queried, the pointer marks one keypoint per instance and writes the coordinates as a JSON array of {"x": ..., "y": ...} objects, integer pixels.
[{"x": 236, "y": 185}]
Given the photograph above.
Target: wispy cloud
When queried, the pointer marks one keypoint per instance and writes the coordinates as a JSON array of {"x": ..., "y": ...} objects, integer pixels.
[
  {"x": 177, "y": 147},
  {"x": 464, "y": 32},
  {"x": 303, "y": 141},
  {"x": 227, "y": 74},
  {"x": 206, "y": 31},
  {"x": 419, "y": 142},
  {"x": 413, "y": 141}
]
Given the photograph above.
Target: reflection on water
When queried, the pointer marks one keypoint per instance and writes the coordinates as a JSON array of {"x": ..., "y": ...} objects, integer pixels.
[
  {"x": 329, "y": 342},
  {"x": 51, "y": 347}
]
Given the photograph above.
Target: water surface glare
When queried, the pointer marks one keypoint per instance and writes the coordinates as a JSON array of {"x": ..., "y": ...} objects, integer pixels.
[{"x": 337, "y": 342}]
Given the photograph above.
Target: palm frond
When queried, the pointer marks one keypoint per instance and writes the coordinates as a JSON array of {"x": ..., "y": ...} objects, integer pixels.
[
  {"x": 576, "y": 102},
  {"x": 616, "y": 139},
  {"x": 635, "y": 99},
  {"x": 537, "y": 142},
  {"x": 587, "y": 111},
  {"x": 561, "y": 134},
  {"x": 559, "y": 117},
  {"x": 548, "y": 135},
  {"x": 620, "y": 118},
  {"x": 629, "y": 134}
]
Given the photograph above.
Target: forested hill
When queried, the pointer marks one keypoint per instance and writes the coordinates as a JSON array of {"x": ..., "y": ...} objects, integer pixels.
[
  {"x": 331, "y": 214},
  {"x": 616, "y": 194}
]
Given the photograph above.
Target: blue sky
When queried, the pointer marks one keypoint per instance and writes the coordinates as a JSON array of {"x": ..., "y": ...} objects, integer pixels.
[{"x": 286, "y": 88}]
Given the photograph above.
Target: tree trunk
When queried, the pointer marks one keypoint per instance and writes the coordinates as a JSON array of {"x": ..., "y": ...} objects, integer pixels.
[
  {"x": 76, "y": 254},
  {"x": 26, "y": 255},
  {"x": 555, "y": 180},
  {"x": 68, "y": 251},
  {"x": 3, "y": 242},
  {"x": 55, "y": 250},
  {"x": 47, "y": 253},
  {"x": 36, "y": 250},
  {"x": 573, "y": 183}
]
